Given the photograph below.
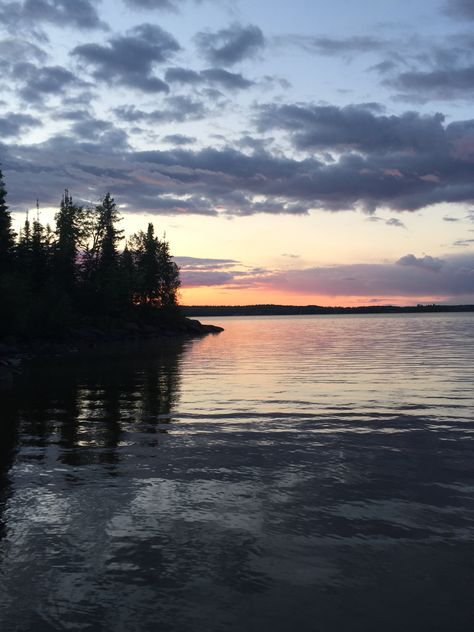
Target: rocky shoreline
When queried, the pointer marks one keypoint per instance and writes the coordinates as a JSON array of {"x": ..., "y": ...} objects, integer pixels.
[{"x": 13, "y": 352}]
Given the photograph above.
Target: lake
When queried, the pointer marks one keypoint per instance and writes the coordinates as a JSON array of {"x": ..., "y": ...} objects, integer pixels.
[{"x": 292, "y": 473}]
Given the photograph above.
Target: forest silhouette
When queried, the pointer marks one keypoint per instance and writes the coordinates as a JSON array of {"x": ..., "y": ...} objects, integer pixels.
[{"x": 53, "y": 279}]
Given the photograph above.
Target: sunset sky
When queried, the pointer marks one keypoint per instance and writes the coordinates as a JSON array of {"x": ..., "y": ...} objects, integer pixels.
[{"x": 299, "y": 152}]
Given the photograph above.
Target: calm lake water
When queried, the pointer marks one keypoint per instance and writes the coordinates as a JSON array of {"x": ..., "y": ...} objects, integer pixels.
[{"x": 304, "y": 473}]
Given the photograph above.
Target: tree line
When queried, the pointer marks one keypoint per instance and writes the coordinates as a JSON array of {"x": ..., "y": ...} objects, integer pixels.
[{"x": 53, "y": 278}]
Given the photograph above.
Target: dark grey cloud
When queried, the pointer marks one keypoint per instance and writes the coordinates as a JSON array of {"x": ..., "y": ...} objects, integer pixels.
[
  {"x": 177, "y": 110},
  {"x": 427, "y": 262},
  {"x": 463, "y": 9},
  {"x": 15, "y": 50},
  {"x": 230, "y": 45},
  {"x": 130, "y": 59},
  {"x": 13, "y": 124},
  {"x": 88, "y": 129},
  {"x": 214, "y": 76},
  {"x": 37, "y": 82},
  {"x": 69, "y": 13},
  {"x": 355, "y": 126},
  {"x": 183, "y": 75},
  {"x": 227, "y": 80},
  {"x": 372, "y": 161},
  {"x": 447, "y": 218},
  {"x": 179, "y": 139},
  {"x": 440, "y": 83},
  {"x": 73, "y": 115},
  {"x": 443, "y": 72}
]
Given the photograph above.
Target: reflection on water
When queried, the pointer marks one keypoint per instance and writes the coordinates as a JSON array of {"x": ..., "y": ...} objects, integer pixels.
[{"x": 291, "y": 473}]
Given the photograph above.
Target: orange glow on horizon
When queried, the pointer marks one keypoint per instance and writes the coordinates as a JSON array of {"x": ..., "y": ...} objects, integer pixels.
[{"x": 221, "y": 296}]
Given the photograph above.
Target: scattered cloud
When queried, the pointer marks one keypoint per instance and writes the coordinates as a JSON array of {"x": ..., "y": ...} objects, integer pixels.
[
  {"x": 13, "y": 124},
  {"x": 65, "y": 13},
  {"x": 396, "y": 223},
  {"x": 230, "y": 45},
  {"x": 150, "y": 5},
  {"x": 179, "y": 139},
  {"x": 463, "y": 243},
  {"x": 37, "y": 82},
  {"x": 213, "y": 76},
  {"x": 199, "y": 263},
  {"x": 427, "y": 262},
  {"x": 183, "y": 75},
  {"x": 450, "y": 279},
  {"x": 14, "y": 50},
  {"x": 440, "y": 83},
  {"x": 177, "y": 110},
  {"x": 408, "y": 175},
  {"x": 357, "y": 126},
  {"x": 227, "y": 80},
  {"x": 322, "y": 45},
  {"x": 130, "y": 59}
]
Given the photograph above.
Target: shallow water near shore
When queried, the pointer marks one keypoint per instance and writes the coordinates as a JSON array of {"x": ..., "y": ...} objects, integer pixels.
[{"x": 291, "y": 473}]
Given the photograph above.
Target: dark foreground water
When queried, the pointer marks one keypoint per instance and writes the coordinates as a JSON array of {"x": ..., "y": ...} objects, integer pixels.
[{"x": 307, "y": 474}]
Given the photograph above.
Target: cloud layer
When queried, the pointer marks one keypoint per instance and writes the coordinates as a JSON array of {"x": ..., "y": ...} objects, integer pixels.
[{"x": 451, "y": 279}]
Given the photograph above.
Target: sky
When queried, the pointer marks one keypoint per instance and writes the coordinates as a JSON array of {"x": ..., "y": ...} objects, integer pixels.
[{"x": 293, "y": 152}]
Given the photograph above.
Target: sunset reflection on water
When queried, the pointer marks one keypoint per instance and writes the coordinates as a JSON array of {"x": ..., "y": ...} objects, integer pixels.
[{"x": 310, "y": 473}]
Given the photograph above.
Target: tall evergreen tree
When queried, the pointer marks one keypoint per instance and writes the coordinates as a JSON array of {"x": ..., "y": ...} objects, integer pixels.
[
  {"x": 127, "y": 280},
  {"x": 146, "y": 248},
  {"x": 169, "y": 277},
  {"x": 157, "y": 274},
  {"x": 110, "y": 235},
  {"x": 23, "y": 250},
  {"x": 7, "y": 236},
  {"x": 68, "y": 231},
  {"x": 108, "y": 269},
  {"x": 40, "y": 252}
]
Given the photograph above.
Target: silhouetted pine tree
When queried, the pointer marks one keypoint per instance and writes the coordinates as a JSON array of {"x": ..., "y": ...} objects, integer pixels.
[
  {"x": 23, "y": 251},
  {"x": 41, "y": 243},
  {"x": 7, "y": 236},
  {"x": 169, "y": 278},
  {"x": 127, "y": 282},
  {"x": 146, "y": 250},
  {"x": 50, "y": 281},
  {"x": 157, "y": 276},
  {"x": 68, "y": 231}
]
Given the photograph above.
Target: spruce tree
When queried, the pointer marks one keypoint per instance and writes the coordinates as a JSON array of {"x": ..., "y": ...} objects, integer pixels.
[
  {"x": 110, "y": 234},
  {"x": 7, "y": 236},
  {"x": 68, "y": 230},
  {"x": 169, "y": 277},
  {"x": 107, "y": 280},
  {"x": 127, "y": 280},
  {"x": 40, "y": 251},
  {"x": 23, "y": 250}
]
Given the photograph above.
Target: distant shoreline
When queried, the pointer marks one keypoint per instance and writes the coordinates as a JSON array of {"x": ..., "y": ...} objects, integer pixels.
[{"x": 295, "y": 310}]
